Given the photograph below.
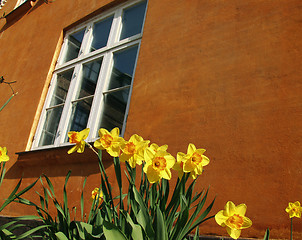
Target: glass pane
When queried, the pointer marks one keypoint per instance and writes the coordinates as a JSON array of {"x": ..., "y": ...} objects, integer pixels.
[
  {"x": 123, "y": 66},
  {"x": 89, "y": 78},
  {"x": 80, "y": 114},
  {"x": 114, "y": 108},
  {"x": 133, "y": 20},
  {"x": 50, "y": 126},
  {"x": 100, "y": 34},
  {"x": 61, "y": 89},
  {"x": 74, "y": 45}
]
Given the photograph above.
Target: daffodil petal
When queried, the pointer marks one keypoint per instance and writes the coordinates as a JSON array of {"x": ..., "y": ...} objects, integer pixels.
[
  {"x": 234, "y": 233},
  {"x": 220, "y": 218},
  {"x": 246, "y": 223},
  {"x": 73, "y": 149},
  {"x": 115, "y": 132},
  {"x": 230, "y": 208},
  {"x": 191, "y": 149},
  {"x": 152, "y": 175},
  {"x": 241, "y": 209}
]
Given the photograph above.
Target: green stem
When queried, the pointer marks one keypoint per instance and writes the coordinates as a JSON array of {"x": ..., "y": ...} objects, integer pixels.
[
  {"x": 7, "y": 101},
  {"x": 291, "y": 229}
]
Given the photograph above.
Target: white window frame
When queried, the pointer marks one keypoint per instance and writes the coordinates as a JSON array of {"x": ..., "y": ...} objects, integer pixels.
[
  {"x": 20, "y": 2},
  {"x": 106, "y": 53}
]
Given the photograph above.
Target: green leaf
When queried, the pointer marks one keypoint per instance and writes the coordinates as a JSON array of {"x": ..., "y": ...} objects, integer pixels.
[
  {"x": 61, "y": 236},
  {"x": 137, "y": 233},
  {"x": 112, "y": 232},
  {"x": 31, "y": 231},
  {"x": 82, "y": 200},
  {"x": 160, "y": 226},
  {"x": 266, "y": 236}
]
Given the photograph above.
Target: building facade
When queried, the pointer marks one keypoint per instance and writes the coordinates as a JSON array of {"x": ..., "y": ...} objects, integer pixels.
[{"x": 224, "y": 75}]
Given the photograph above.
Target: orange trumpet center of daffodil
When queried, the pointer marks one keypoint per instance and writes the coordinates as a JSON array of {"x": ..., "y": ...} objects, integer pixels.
[
  {"x": 130, "y": 148},
  {"x": 159, "y": 163},
  {"x": 235, "y": 221},
  {"x": 196, "y": 158},
  {"x": 73, "y": 138},
  {"x": 106, "y": 140}
]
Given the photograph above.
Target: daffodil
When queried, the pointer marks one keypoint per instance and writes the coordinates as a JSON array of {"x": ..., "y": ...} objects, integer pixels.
[
  {"x": 3, "y": 154},
  {"x": 95, "y": 194},
  {"x": 133, "y": 150},
  {"x": 78, "y": 138},
  {"x": 158, "y": 164},
  {"x": 294, "y": 209},
  {"x": 109, "y": 141},
  {"x": 233, "y": 218},
  {"x": 192, "y": 162}
]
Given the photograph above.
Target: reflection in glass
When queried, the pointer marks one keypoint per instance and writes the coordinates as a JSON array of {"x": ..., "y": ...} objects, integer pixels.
[
  {"x": 123, "y": 66},
  {"x": 114, "y": 108},
  {"x": 89, "y": 78},
  {"x": 80, "y": 114},
  {"x": 74, "y": 45},
  {"x": 133, "y": 20},
  {"x": 50, "y": 127},
  {"x": 61, "y": 88},
  {"x": 100, "y": 34}
]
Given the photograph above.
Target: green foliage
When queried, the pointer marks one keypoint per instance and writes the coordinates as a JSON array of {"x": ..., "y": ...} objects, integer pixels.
[{"x": 145, "y": 212}]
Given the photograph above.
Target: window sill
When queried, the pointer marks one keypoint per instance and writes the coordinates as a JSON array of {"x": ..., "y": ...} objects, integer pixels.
[
  {"x": 19, "y": 11},
  {"x": 58, "y": 156}
]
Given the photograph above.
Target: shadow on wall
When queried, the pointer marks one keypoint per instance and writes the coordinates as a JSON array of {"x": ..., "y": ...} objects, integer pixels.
[{"x": 56, "y": 162}]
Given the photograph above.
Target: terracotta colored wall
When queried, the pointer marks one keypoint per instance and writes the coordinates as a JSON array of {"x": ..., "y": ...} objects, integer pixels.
[{"x": 224, "y": 75}]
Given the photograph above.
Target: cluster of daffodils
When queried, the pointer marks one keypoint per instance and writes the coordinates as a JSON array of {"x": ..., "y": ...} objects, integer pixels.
[
  {"x": 3, "y": 155},
  {"x": 157, "y": 161},
  {"x": 157, "y": 164}
]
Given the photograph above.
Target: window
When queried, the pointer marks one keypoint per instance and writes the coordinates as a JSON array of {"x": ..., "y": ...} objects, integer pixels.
[{"x": 92, "y": 80}]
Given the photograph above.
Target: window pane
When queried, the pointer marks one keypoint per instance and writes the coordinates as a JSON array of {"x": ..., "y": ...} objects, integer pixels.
[
  {"x": 114, "y": 108},
  {"x": 61, "y": 89},
  {"x": 133, "y": 20},
  {"x": 123, "y": 67},
  {"x": 89, "y": 78},
  {"x": 80, "y": 114},
  {"x": 100, "y": 34},
  {"x": 50, "y": 126},
  {"x": 74, "y": 45}
]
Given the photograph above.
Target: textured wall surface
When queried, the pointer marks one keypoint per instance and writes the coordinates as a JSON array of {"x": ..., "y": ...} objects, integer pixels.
[{"x": 224, "y": 75}]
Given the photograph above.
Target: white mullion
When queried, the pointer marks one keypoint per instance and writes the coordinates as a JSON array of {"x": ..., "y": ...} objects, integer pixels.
[
  {"x": 65, "y": 117},
  {"x": 102, "y": 85},
  {"x": 115, "y": 29},
  {"x": 87, "y": 40},
  {"x": 41, "y": 123}
]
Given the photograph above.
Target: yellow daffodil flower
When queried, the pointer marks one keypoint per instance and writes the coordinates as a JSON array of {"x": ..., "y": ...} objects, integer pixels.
[
  {"x": 232, "y": 217},
  {"x": 109, "y": 141},
  {"x": 192, "y": 162},
  {"x": 294, "y": 209},
  {"x": 133, "y": 150},
  {"x": 78, "y": 138},
  {"x": 158, "y": 164},
  {"x": 3, "y": 154},
  {"x": 95, "y": 194}
]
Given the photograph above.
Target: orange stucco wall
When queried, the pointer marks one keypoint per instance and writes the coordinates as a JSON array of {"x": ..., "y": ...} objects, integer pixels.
[{"x": 224, "y": 75}]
